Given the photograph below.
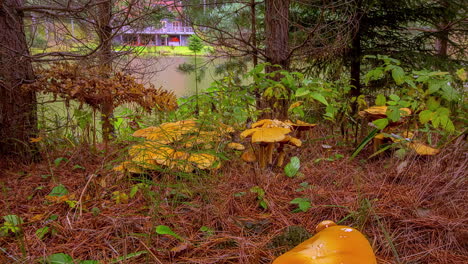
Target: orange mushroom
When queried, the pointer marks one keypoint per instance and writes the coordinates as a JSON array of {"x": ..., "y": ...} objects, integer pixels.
[{"x": 333, "y": 244}]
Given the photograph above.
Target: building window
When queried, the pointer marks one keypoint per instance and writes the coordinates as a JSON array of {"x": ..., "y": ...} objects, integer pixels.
[{"x": 176, "y": 24}]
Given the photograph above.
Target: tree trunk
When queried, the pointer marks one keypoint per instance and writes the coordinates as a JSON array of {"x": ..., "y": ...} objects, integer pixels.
[
  {"x": 355, "y": 69},
  {"x": 277, "y": 49},
  {"x": 105, "y": 36},
  {"x": 18, "y": 117}
]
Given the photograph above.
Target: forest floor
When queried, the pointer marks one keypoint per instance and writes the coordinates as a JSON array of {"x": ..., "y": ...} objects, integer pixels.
[{"x": 412, "y": 211}]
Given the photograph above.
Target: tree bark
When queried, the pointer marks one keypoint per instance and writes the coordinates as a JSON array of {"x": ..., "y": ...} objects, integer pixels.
[
  {"x": 355, "y": 69},
  {"x": 105, "y": 37},
  {"x": 18, "y": 117},
  {"x": 277, "y": 49}
]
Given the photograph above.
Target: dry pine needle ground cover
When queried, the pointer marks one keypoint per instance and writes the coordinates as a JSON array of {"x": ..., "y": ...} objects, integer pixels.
[{"x": 412, "y": 211}]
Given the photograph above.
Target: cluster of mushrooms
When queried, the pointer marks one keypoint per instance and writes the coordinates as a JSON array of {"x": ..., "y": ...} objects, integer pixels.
[
  {"x": 181, "y": 146},
  {"x": 268, "y": 135},
  {"x": 391, "y": 133}
]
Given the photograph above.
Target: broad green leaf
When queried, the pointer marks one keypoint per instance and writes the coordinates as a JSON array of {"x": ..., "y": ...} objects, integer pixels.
[
  {"x": 380, "y": 100},
  {"x": 425, "y": 116},
  {"x": 449, "y": 93},
  {"x": 59, "y": 190},
  {"x": 432, "y": 103},
  {"x": 449, "y": 126},
  {"x": 462, "y": 74},
  {"x": 165, "y": 230},
  {"x": 302, "y": 92},
  {"x": 381, "y": 123},
  {"x": 394, "y": 97},
  {"x": 59, "y": 258},
  {"x": 319, "y": 97},
  {"x": 303, "y": 204},
  {"x": 41, "y": 232},
  {"x": 292, "y": 168},
  {"x": 434, "y": 86},
  {"x": 393, "y": 113},
  {"x": 398, "y": 75}
]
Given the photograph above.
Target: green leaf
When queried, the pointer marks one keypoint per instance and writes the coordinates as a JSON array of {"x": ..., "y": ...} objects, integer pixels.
[
  {"x": 165, "y": 230},
  {"x": 57, "y": 161},
  {"x": 263, "y": 204},
  {"x": 59, "y": 190},
  {"x": 394, "y": 113},
  {"x": 462, "y": 74},
  {"x": 302, "y": 92},
  {"x": 133, "y": 191},
  {"x": 364, "y": 142},
  {"x": 380, "y": 100},
  {"x": 394, "y": 97},
  {"x": 13, "y": 219},
  {"x": 292, "y": 168},
  {"x": 381, "y": 123},
  {"x": 432, "y": 103},
  {"x": 434, "y": 86},
  {"x": 425, "y": 116},
  {"x": 319, "y": 97},
  {"x": 401, "y": 153},
  {"x": 59, "y": 258},
  {"x": 41, "y": 232},
  {"x": 303, "y": 204},
  {"x": 398, "y": 75}
]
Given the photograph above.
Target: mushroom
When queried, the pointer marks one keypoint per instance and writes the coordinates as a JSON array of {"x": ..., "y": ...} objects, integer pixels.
[
  {"x": 282, "y": 153},
  {"x": 423, "y": 149},
  {"x": 302, "y": 127},
  {"x": 249, "y": 156},
  {"x": 203, "y": 160},
  {"x": 235, "y": 146},
  {"x": 266, "y": 137},
  {"x": 333, "y": 244}
]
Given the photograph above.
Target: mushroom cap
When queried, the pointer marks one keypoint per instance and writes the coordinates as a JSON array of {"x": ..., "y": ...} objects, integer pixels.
[
  {"x": 324, "y": 224},
  {"x": 203, "y": 160},
  {"x": 377, "y": 112},
  {"x": 168, "y": 132},
  {"x": 292, "y": 141},
  {"x": 300, "y": 123},
  {"x": 333, "y": 245},
  {"x": 248, "y": 156},
  {"x": 130, "y": 167},
  {"x": 267, "y": 123},
  {"x": 235, "y": 146},
  {"x": 423, "y": 149},
  {"x": 266, "y": 135}
]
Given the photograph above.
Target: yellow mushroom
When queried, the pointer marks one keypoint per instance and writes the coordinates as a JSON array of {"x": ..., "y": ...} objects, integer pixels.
[
  {"x": 282, "y": 153},
  {"x": 266, "y": 137},
  {"x": 423, "y": 149},
  {"x": 203, "y": 160},
  {"x": 333, "y": 244},
  {"x": 235, "y": 146},
  {"x": 249, "y": 156}
]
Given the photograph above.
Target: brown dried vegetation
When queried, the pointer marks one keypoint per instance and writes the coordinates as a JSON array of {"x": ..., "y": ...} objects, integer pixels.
[{"x": 420, "y": 202}]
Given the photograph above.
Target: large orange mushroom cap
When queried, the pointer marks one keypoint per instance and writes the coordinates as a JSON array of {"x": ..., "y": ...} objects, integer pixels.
[{"x": 333, "y": 245}]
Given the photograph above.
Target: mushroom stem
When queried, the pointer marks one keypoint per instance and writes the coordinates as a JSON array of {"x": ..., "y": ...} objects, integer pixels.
[
  {"x": 281, "y": 156},
  {"x": 269, "y": 152},
  {"x": 377, "y": 142},
  {"x": 262, "y": 156}
]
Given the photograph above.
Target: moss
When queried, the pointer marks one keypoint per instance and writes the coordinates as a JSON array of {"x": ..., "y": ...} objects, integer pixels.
[{"x": 288, "y": 239}]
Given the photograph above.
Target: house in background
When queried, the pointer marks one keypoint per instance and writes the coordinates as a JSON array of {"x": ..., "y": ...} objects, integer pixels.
[{"x": 170, "y": 32}]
